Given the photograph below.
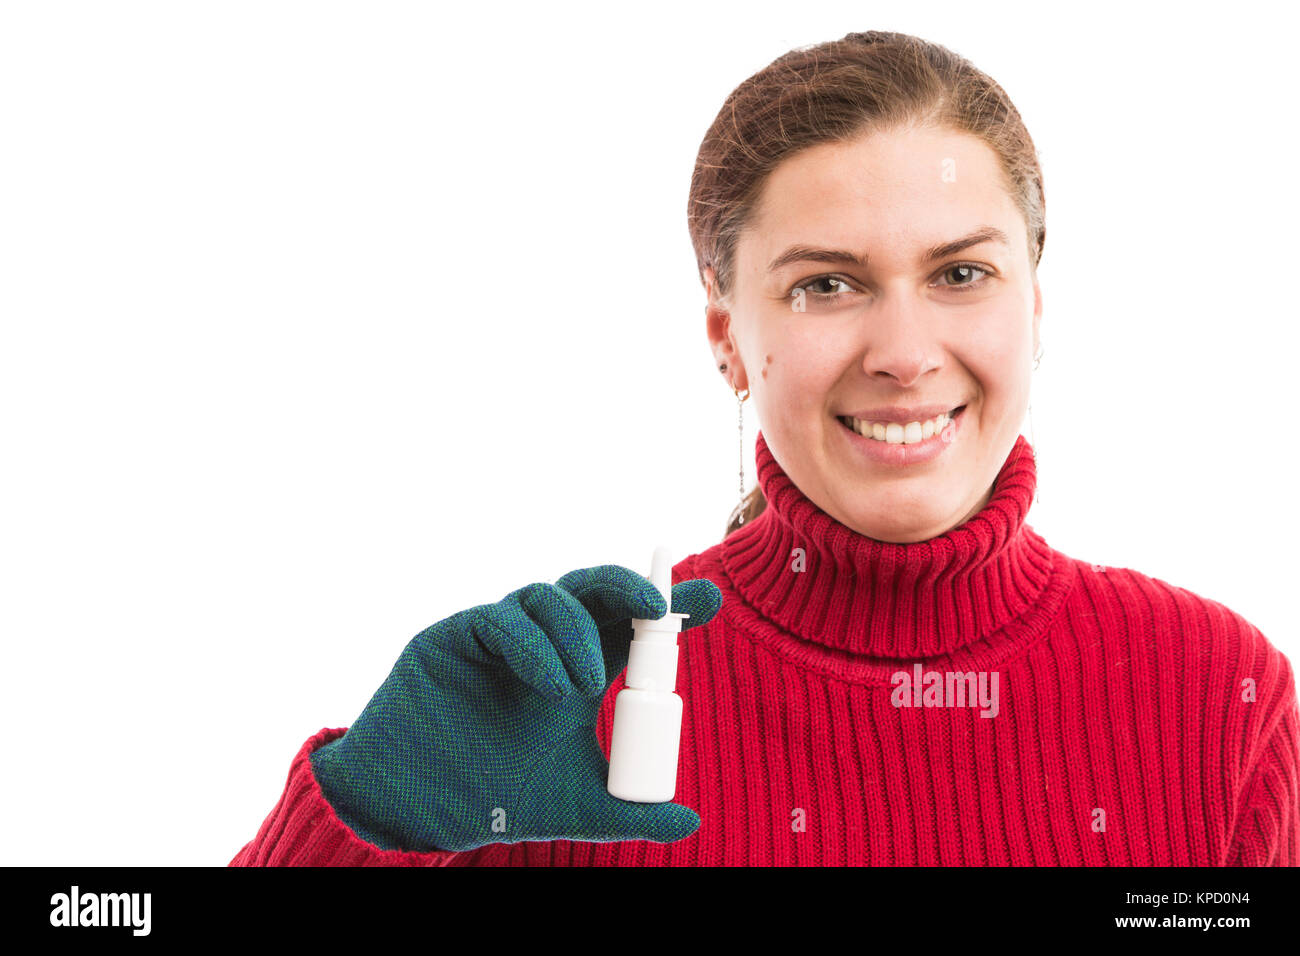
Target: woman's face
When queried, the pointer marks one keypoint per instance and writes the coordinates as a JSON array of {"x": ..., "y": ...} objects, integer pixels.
[{"x": 816, "y": 336}]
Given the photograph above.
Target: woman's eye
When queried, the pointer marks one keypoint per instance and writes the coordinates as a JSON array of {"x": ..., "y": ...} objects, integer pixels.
[
  {"x": 816, "y": 286},
  {"x": 965, "y": 272}
]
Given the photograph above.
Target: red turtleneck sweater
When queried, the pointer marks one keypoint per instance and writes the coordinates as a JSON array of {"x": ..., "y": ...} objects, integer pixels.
[{"x": 1132, "y": 723}]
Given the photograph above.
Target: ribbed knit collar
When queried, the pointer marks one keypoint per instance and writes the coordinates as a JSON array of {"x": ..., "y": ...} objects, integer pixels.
[{"x": 875, "y": 598}]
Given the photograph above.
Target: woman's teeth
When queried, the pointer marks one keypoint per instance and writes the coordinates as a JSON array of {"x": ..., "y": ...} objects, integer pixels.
[{"x": 895, "y": 433}]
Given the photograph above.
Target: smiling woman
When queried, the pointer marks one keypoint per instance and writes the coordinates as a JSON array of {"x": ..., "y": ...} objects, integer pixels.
[
  {"x": 909, "y": 171},
  {"x": 868, "y": 220},
  {"x": 900, "y": 340}
]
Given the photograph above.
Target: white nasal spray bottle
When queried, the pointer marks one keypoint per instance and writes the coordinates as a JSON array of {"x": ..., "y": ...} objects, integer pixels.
[{"x": 648, "y": 713}]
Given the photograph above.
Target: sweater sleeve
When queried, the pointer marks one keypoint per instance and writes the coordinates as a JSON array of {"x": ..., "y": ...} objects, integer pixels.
[
  {"x": 303, "y": 829},
  {"x": 1267, "y": 829},
  {"x": 1267, "y": 832}
]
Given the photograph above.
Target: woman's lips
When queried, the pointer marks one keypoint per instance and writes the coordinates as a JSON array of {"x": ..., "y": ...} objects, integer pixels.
[
  {"x": 898, "y": 454},
  {"x": 901, "y": 415}
]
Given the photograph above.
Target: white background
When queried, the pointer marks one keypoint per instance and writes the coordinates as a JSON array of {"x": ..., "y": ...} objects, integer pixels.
[{"x": 323, "y": 321}]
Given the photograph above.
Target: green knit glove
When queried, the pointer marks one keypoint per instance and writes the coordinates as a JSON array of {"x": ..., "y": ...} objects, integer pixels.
[{"x": 485, "y": 730}]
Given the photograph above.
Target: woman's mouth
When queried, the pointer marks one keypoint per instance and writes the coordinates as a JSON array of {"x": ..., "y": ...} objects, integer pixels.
[
  {"x": 899, "y": 444},
  {"x": 900, "y": 433}
]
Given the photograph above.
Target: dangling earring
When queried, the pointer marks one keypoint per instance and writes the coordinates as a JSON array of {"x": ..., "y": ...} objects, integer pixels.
[
  {"x": 1033, "y": 444},
  {"x": 740, "y": 429},
  {"x": 738, "y": 513}
]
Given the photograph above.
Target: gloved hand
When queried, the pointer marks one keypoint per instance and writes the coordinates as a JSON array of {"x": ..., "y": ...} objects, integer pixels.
[{"x": 485, "y": 730}]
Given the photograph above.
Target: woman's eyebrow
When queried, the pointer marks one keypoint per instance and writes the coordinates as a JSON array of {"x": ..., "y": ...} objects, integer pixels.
[{"x": 798, "y": 253}]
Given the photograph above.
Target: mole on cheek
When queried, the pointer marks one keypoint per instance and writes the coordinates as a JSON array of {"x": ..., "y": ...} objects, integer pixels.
[{"x": 767, "y": 363}]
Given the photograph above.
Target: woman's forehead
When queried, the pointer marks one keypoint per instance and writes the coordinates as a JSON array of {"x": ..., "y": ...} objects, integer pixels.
[
  {"x": 896, "y": 194},
  {"x": 882, "y": 172}
]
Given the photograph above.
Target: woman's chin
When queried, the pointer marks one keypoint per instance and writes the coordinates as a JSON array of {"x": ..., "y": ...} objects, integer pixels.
[{"x": 906, "y": 523}]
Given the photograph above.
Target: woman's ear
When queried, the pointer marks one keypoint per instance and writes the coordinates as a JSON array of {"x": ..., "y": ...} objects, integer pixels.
[{"x": 717, "y": 326}]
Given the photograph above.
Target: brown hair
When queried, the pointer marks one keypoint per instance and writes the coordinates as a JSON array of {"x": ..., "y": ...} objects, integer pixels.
[{"x": 835, "y": 91}]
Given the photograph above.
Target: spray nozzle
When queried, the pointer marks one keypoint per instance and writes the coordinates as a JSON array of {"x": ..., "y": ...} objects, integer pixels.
[{"x": 661, "y": 576}]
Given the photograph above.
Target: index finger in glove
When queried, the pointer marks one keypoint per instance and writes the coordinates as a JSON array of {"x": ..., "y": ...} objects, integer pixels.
[
  {"x": 612, "y": 593},
  {"x": 600, "y": 591}
]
